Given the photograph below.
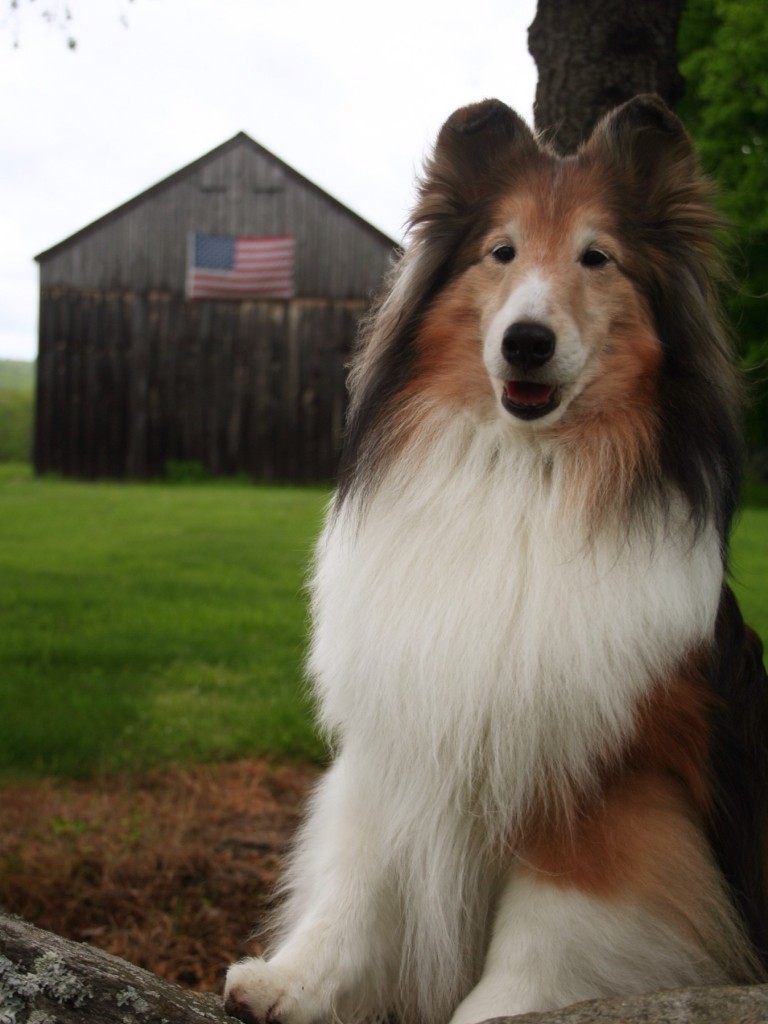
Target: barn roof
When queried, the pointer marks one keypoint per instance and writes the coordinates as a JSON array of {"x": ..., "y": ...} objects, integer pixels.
[{"x": 241, "y": 138}]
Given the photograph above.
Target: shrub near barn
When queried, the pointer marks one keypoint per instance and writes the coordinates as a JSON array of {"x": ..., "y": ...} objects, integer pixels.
[{"x": 16, "y": 410}]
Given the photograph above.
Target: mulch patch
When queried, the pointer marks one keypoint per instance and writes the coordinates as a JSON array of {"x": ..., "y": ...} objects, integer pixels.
[{"x": 172, "y": 871}]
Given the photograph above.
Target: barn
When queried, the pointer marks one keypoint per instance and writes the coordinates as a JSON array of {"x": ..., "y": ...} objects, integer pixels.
[{"x": 207, "y": 321}]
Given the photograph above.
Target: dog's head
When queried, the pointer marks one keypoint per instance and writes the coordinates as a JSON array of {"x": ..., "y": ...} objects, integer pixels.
[
  {"x": 561, "y": 258},
  {"x": 570, "y": 297}
]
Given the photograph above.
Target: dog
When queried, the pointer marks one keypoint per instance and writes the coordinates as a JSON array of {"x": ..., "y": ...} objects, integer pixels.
[{"x": 549, "y": 719}]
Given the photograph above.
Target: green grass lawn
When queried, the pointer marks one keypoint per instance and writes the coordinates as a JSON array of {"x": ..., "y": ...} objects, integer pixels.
[
  {"x": 148, "y": 623},
  {"x": 144, "y": 623}
]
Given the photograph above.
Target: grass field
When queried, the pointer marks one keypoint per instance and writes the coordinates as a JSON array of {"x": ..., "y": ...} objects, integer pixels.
[
  {"x": 143, "y": 624},
  {"x": 148, "y": 623}
]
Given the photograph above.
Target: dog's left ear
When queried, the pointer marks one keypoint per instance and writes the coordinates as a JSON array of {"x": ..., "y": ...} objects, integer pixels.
[{"x": 647, "y": 144}]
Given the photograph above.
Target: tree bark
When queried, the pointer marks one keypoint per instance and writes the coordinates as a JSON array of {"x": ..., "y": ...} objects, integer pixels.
[
  {"x": 728, "y": 1004},
  {"x": 594, "y": 54},
  {"x": 45, "y": 979}
]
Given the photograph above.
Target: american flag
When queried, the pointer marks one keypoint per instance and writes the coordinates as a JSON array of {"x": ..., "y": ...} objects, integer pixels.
[{"x": 224, "y": 267}]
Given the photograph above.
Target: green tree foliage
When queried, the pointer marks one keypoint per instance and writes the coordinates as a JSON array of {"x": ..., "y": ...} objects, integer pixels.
[{"x": 723, "y": 46}]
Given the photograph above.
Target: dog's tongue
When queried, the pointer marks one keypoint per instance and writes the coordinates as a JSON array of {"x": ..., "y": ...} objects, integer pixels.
[{"x": 523, "y": 392}]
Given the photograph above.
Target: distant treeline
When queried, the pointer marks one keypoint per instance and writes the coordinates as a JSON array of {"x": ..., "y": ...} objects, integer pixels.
[{"x": 17, "y": 389}]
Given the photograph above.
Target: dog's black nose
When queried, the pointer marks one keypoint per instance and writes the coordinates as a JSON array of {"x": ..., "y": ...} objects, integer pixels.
[{"x": 528, "y": 345}]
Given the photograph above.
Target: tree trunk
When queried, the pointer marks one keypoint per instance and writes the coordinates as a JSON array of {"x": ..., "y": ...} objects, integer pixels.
[
  {"x": 45, "y": 979},
  {"x": 594, "y": 54}
]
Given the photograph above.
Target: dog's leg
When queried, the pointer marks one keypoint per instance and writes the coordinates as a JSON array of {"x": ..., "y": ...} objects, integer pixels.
[
  {"x": 552, "y": 947},
  {"x": 336, "y": 958},
  {"x": 630, "y": 903}
]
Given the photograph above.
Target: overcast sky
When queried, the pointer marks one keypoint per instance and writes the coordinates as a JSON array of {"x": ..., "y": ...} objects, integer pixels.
[{"x": 349, "y": 93}]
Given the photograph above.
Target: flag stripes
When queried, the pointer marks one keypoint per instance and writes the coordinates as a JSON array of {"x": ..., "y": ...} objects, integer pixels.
[{"x": 224, "y": 267}]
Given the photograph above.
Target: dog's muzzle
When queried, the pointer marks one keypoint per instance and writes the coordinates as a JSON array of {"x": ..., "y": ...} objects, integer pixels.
[{"x": 527, "y": 346}]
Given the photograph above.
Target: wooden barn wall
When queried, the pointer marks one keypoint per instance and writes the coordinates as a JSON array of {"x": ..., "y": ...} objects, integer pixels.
[
  {"x": 242, "y": 191},
  {"x": 128, "y": 382}
]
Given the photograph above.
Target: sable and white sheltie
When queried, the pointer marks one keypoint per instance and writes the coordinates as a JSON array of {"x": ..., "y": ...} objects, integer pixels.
[{"x": 550, "y": 721}]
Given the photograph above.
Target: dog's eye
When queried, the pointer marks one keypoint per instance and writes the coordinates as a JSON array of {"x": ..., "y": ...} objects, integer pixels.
[
  {"x": 594, "y": 258},
  {"x": 503, "y": 253}
]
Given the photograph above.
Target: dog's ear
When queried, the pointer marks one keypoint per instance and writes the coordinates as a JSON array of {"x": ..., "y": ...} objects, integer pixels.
[
  {"x": 478, "y": 150},
  {"x": 477, "y": 137},
  {"x": 658, "y": 183},
  {"x": 648, "y": 145}
]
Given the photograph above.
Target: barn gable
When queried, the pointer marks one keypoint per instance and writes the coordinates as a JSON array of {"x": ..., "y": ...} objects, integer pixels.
[
  {"x": 239, "y": 188},
  {"x": 132, "y": 375}
]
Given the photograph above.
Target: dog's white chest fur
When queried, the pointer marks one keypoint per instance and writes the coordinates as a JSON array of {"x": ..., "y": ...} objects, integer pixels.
[{"x": 463, "y": 625}]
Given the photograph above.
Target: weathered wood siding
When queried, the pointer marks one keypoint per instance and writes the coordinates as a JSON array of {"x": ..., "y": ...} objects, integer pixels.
[
  {"x": 241, "y": 190},
  {"x": 128, "y": 382},
  {"x": 131, "y": 375}
]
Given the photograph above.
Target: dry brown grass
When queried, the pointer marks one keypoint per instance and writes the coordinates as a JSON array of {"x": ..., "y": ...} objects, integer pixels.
[{"x": 171, "y": 871}]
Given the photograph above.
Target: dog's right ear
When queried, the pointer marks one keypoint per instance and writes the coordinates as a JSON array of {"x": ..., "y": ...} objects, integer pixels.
[
  {"x": 481, "y": 133},
  {"x": 478, "y": 150}
]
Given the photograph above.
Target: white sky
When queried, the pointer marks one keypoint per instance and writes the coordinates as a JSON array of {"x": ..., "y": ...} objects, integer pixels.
[{"x": 350, "y": 93}]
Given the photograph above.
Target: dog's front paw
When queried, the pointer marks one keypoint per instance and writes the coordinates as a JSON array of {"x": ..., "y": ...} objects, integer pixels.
[{"x": 258, "y": 992}]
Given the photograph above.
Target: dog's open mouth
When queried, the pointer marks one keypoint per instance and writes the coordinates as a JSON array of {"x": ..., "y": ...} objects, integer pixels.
[{"x": 527, "y": 400}]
